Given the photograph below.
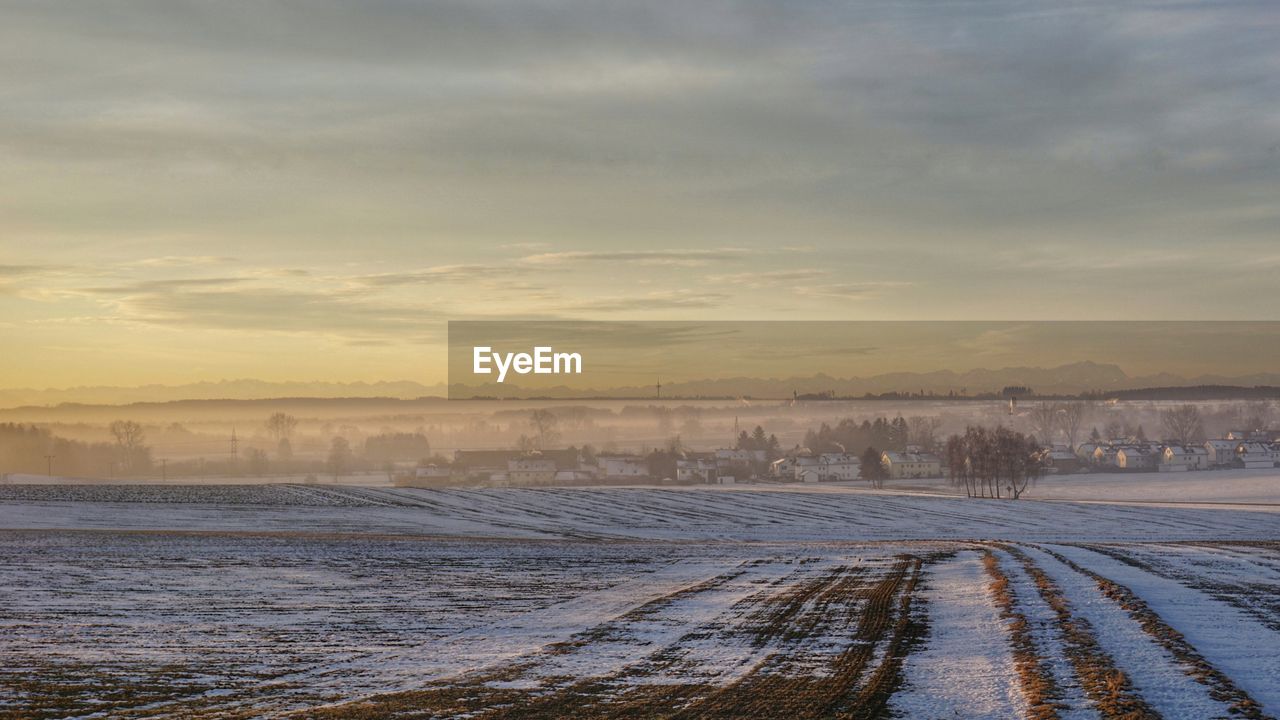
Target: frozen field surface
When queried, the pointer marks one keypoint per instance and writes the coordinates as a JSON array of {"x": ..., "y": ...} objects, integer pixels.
[
  {"x": 344, "y": 602},
  {"x": 1200, "y": 487},
  {"x": 783, "y": 513}
]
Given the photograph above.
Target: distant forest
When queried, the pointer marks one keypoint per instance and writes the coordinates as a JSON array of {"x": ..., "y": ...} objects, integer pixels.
[{"x": 1188, "y": 393}]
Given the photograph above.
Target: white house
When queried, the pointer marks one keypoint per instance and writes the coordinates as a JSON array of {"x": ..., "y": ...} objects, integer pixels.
[
  {"x": 1222, "y": 453},
  {"x": 531, "y": 470},
  {"x": 622, "y": 466},
  {"x": 740, "y": 456},
  {"x": 1137, "y": 457},
  {"x": 1059, "y": 460},
  {"x": 1085, "y": 451},
  {"x": 1180, "y": 458},
  {"x": 1257, "y": 455},
  {"x": 1105, "y": 455},
  {"x": 835, "y": 467},
  {"x": 574, "y": 476},
  {"x": 807, "y": 469},
  {"x": 783, "y": 468},
  {"x": 911, "y": 465},
  {"x": 696, "y": 470}
]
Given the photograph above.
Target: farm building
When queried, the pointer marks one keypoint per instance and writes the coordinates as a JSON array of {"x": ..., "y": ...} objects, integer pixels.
[
  {"x": 532, "y": 469},
  {"x": 696, "y": 470},
  {"x": 1222, "y": 453},
  {"x": 622, "y": 466},
  {"x": 1257, "y": 455},
  {"x": 1060, "y": 461},
  {"x": 1180, "y": 458},
  {"x": 807, "y": 468},
  {"x": 834, "y": 467},
  {"x": 1137, "y": 457},
  {"x": 911, "y": 465}
]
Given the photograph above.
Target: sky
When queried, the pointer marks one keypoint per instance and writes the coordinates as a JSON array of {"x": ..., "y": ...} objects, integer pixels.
[{"x": 310, "y": 190}]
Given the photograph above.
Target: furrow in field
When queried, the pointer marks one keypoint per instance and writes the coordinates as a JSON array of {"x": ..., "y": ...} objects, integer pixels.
[
  {"x": 547, "y": 681},
  {"x": 1037, "y": 633},
  {"x": 853, "y": 684},
  {"x": 1107, "y": 686},
  {"x": 1161, "y": 680},
  {"x": 1248, "y": 581},
  {"x": 1220, "y": 646}
]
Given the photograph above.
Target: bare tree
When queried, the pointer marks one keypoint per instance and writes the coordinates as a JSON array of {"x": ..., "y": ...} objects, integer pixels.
[
  {"x": 993, "y": 463},
  {"x": 545, "y": 425},
  {"x": 1071, "y": 418},
  {"x": 281, "y": 426},
  {"x": 129, "y": 438},
  {"x": 1182, "y": 423},
  {"x": 1255, "y": 415},
  {"x": 339, "y": 457},
  {"x": 923, "y": 430},
  {"x": 128, "y": 434},
  {"x": 1044, "y": 420}
]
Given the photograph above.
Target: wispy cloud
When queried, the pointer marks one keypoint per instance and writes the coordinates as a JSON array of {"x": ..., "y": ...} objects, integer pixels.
[
  {"x": 177, "y": 261},
  {"x": 21, "y": 271},
  {"x": 440, "y": 274},
  {"x": 846, "y": 291},
  {"x": 770, "y": 277},
  {"x": 156, "y": 286},
  {"x": 646, "y": 302},
  {"x": 677, "y": 257},
  {"x": 273, "y": 309}
]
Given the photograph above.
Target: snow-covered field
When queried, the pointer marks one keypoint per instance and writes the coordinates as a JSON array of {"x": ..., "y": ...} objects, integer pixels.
[
  {"x": 1204, "y": 487},
  {"x": 287, "y": 600}
]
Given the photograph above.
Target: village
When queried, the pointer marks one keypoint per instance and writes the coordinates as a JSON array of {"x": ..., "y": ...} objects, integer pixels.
[{"x": 1254, "y": 449}]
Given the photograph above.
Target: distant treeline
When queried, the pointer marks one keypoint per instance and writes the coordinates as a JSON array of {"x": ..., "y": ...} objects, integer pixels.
[
  {"x": 28, "y": 449},
  {"x": 853, "y": 437},
  {"x": 1188, "y": 393}
]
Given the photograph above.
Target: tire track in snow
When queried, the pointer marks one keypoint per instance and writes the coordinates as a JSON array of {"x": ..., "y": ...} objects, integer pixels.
[
  {"x": 1227, "y": 649},
  {"x": 1159, "y": 678}
]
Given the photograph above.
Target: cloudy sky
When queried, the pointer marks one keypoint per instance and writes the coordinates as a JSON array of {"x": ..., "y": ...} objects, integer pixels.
[{"x": 309, "y": 190}]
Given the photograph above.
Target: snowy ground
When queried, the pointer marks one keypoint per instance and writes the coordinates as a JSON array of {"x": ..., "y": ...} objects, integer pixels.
[
  {"x": 773, "y": 513},
  {"x": 623, "y": 602},
  {"x": 1202, "y": 487}
]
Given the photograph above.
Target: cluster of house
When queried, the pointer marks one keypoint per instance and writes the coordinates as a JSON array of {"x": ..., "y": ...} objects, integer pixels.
[
  {"x": 1254, "y": 449},
  {"x": 561, "y": 467},
  {"x": 723, "y": 466},
  {"x": 803, "y": 466},
  {"x": 509, "y": 467}
]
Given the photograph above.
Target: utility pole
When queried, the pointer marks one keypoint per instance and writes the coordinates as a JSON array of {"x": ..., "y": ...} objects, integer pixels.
[
  {"x": 48, "y": 464},
  {"x": 659, "y": 388},
  {"x": 164, "y": 469}
]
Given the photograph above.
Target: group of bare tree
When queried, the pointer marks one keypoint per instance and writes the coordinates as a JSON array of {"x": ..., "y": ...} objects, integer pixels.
[
  {"x": 280, "y": 426},
  {"x": 1182, "y": 423},
  {"x": 1048, "y": 418},
  {"x": 993, "y": 463}
]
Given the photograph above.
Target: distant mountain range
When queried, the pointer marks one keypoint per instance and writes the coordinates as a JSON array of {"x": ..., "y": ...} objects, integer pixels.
[{"x": 1071, "y": 379}]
